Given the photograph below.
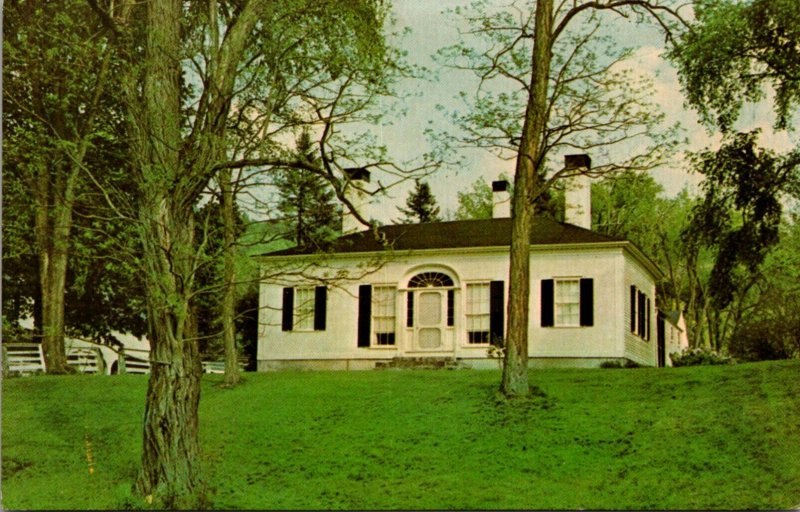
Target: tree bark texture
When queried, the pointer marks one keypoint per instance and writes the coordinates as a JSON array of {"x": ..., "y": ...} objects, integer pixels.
[
  {"x": 169, "y": 475},
  {"x": 173, "y": 169},
  {"x": 515, "y": 365},
  {"x": 53, "y": 226}
]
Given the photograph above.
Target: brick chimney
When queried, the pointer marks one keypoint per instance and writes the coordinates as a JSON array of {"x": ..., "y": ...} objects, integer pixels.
[
  {"x": 356, "y": 178},
  {"x": 501, "y": 200},
  {"x": 578, "y": 191}
]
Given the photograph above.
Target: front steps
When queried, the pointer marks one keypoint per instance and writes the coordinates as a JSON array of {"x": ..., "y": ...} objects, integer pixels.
[{"x": 420, "y": 363}]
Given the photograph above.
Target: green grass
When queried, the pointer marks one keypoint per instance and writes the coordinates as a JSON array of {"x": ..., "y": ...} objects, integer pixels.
[{"x": 703, "y": 437}]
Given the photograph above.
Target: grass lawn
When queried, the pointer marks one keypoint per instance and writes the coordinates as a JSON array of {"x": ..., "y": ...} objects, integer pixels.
[{"x": 703, "y": 437}]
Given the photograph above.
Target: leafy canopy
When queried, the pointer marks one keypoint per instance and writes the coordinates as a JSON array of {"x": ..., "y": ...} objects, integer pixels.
[{"x": 734, "y": 51}]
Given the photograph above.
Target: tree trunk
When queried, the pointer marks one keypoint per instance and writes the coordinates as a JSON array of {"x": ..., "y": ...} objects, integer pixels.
[
  {"x": 169, "y": 476},
  {"x": 515, "y": 367},
  {"x": 228, "y": 312},
  {"x": 53, "y": 225}
]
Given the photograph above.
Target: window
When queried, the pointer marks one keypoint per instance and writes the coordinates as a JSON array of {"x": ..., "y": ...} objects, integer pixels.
[
  {"x": 430, "y": 280},
  {"x": 640, "y": 306},
  {"x": 304, "y": 308},
  {"x": 383, "y": 314},
  {"x": 568, "y": 302},
  {"x": 478, "y": 313}
]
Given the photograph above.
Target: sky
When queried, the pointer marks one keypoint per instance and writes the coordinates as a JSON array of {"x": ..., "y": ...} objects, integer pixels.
[{"x": 431, "y": 28}]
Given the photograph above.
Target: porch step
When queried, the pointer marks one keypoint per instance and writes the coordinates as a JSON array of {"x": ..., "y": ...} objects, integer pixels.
[{"x": 420, "y": 363}]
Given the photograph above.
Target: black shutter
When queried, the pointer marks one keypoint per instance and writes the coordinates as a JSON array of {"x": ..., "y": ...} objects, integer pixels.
[
  {"x": 547, "y": 303},
  {"x": 633, "y": 309},
  {"x": 641, "y": 314},
  {"x": 410, "y": 309},
  {"x": 364, "y": 314},
  {"x": 496, "y": 312},
  {"x": 587, "y": 302},
  {"x": 451, "y": 312},
  {"x": 288, "y": 309},
  {"x": 320, "y": 307},
  {"x": 648, "y": 320}
]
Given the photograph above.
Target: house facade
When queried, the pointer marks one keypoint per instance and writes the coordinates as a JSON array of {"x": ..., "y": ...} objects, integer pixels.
[{"x": 439, "y": 290}]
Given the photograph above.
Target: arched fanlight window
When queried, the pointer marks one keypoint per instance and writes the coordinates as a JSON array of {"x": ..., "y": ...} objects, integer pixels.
[{"x": 430, "y": 280}]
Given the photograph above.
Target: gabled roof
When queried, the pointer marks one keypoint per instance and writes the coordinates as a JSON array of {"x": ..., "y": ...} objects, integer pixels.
[{"x": 458, "y": 234}]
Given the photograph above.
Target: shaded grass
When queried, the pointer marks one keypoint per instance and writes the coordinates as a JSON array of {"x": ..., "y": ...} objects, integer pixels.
[{"x": 708, "y": 437}]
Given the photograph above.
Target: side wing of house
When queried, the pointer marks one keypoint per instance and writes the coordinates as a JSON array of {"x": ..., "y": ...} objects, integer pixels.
[
  {"x": 639, "y": 326},
  {"x": 576, "y": 308}
]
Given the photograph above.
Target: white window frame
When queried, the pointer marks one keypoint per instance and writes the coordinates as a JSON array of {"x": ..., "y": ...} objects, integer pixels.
[
  {"x": 478, "y": 311},
  {"x": 560, "y": 302},
  {"x": 304, "y": 307},
  {"x": 384, "y": 311}
]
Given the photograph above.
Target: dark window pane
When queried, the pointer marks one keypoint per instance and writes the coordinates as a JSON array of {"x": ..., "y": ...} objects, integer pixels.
[
  {"x": 384, "y": 338},
  {"x": 478, "y": 336}
]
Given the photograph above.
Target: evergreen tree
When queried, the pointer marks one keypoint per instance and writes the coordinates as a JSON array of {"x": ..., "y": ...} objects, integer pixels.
[
  {"x": 306, "y": 201},
  {"x": 420, "y": 205}
]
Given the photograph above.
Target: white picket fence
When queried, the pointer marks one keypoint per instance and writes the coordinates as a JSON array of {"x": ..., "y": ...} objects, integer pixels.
[
  {"x": 86, "y": 360},
  {"x": 28, "y": 358},
  {"x": 219, "y": 366},
  {"x": 23, "y": 358},
  {"x": 134, "y": 364}
]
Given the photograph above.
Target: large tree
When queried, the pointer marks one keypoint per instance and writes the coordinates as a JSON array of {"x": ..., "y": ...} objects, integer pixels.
[
  {"x": 206, "y": 83},
  {"x": 60, "y": 113},
  {"x": 735, "y": 52},
  {"x": 573, "y": 96}
]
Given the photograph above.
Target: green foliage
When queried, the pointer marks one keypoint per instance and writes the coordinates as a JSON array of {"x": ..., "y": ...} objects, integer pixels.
[
  {"x": 771, "y": 327},
  {"x": 766, "y": 339},
  {"x": 306, "y": 201},
  {"x": 420, "y": 205},
  {"x": 475, "y": 203},
  {"x": 694, "y": 438},
  {"x": 741, "y": 210},
  {"x": 623, "y": 205},
  {"x": 207, "y": 303},
  {"x": 65, "y": 149},
  {"x": 734, "y": 51},
  {"x": 699, "y": 357}
]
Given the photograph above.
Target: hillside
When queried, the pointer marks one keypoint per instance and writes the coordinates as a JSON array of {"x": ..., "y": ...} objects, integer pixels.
[{"x": 707, "y": 437}]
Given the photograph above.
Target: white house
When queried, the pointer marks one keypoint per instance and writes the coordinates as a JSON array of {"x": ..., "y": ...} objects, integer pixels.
[
  {"x": 439, "y": 290},
  {"x": 671, "y": 335}
]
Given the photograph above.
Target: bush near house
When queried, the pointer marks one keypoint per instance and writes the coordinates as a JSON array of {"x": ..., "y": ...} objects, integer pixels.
[
  {"x": 711, "y": 437},
  {"x": 699, "y": 357}
]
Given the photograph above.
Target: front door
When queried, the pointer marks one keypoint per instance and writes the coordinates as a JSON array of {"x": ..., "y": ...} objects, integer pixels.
[{"x": 430, "y": 325}]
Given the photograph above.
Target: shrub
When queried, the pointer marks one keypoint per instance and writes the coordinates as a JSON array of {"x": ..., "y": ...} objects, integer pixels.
[
  {"x": 627, "y": 363},
  {"x": 699, "y": 356},
  {"x": 765, "y": 340}
]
